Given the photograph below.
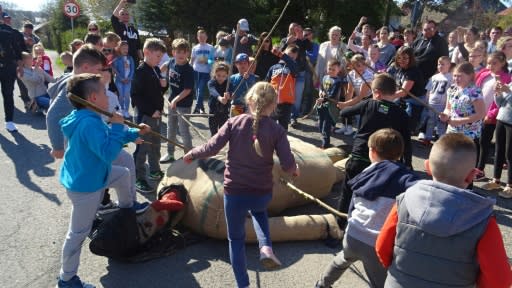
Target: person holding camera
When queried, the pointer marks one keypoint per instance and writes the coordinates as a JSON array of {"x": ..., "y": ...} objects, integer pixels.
[{"x": 121, "y": 23}]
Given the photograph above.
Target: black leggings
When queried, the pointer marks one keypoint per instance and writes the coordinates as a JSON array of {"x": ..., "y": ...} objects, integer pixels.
[
  {"x": 503, "y": 150},
  {"x": 485, "y": 144}
]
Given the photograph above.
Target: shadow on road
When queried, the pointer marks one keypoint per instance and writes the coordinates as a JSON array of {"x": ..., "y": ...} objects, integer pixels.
[
  {"x": 26, "y": 157},
  {"x": 36, "y": 120}
]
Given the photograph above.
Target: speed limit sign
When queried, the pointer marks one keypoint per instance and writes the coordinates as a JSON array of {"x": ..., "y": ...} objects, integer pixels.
[{"x": 71, "y": 9}]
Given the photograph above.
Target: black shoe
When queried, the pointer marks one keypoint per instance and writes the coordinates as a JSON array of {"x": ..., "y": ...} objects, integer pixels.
[{"x": 142, "y": 186}]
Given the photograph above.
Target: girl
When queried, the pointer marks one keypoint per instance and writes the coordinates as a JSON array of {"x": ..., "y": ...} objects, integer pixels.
[
  {"x": 124, "y": 68},
  {"x": 359, "y": 79},
  {"x": 223, "y": 51},
  {"x": 476, "y": 58},
  {"x": 34, "y": 79},
  {"x": 44, "y": 61},
  {"x": 503, "y": 99},
  {"x": 466, "y": 39},
  {"x": 410, "y": 80},
  {"x": 265, "y": 59},
  {"x": 486, "y": 80},
  {"x": 218, "y": 103},
  {"x": 465, "y": 106},
  {"x": 252, "y": 138},
  {"x": 387, "y": 50}
]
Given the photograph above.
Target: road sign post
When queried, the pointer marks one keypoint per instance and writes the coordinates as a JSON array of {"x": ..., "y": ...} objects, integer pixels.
[{"x": 71, "y": 10}]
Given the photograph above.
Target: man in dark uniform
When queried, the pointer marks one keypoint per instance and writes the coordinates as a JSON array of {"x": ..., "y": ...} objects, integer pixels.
[
  {"x": 428, "y": 48},
  {"x": 11, "y": 46}
]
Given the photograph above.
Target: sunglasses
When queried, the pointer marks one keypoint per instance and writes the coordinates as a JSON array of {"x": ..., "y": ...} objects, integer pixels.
[
  {"x": 93, "y": 29},
  {"x": 107, "y": 51}
]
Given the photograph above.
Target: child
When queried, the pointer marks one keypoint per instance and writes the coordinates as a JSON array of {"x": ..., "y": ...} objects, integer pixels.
[
  {"x": 373, "y": 61},
  {"x": 181, "y": 81},
  {"x": 201, "y": 59},
  {"x": 503, "y": 100},
  {"x": 147, "y": 95},
  {"x": 67, "y": 59},
  {"x": 437, "y": 88},
  {"x": 87, "y": 167},
  {"x": 465, "y": 106},
  {"x": 218, "y": 105},
  {"x": 34, "y": 79},
  {"x": 359, "y": 79},
  {"x": 377, "y": 113},
  {"x": 440, "y": 234},
  {"x": 476, "y": 58},
  {"x": 282, "y": 77},
  {"x": 252, "y": 138},
  {"x": 326, "y": 103},
  {"x": 375, "y": 189},
  {"x": 44, "y": 61},
  {"x": 124, "y": 68},
  {"x": 239, "y": 84}
]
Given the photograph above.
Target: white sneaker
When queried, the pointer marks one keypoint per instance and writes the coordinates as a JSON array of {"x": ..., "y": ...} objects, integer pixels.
[
  {"x": 268, "y": 259},
  {"x": 11, "y": 127},
  {"x": 348, "y": 130},
  {"x": 422, "y": 136}
]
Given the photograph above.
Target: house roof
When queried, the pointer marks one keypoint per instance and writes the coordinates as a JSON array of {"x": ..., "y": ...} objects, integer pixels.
[{"x": 505, "y": 12}]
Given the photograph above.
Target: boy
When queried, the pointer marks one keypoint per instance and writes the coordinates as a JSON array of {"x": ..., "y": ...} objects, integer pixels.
[
  {"x": 442, "y": 234},
  {"x": 87, "y": 167},
  {"x": 201, "y": 59},
  {"x": 377, "y": 113},
  {"x": 147, "y": 92},
  {"x": 67, "y": 59},
  {"x": 282, "y": 77},
  {"x": 375, "y": 190},
  {"x": 329, "y": 93},
  {"x": 239, "y": 84},
  {"x": 437, "y": 88},
  {"x": 181, "y": 80}
]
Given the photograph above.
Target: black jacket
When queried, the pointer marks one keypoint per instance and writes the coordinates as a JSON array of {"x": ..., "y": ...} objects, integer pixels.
[
  {"x": 427, "y": 52},
  {"x": 147, "y": 94}
]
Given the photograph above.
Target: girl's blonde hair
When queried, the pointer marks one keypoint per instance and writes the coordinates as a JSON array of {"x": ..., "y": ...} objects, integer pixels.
[
  {"x": 37, "y": 45},
  {"x": 259, "y": 97}
]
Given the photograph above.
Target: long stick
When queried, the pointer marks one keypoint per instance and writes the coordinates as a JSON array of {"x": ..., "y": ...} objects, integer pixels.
[
  {"x": 261, "y": 46},
  {"x": 233, "y": 57},
  {"x": 194, "y": 115},
  {"x": 191, "y": 125},
  {"x": 312, "y": 198},
  {"x": 128, "y": 123}
]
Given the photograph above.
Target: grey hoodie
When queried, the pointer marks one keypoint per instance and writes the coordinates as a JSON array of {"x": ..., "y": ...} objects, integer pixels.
[{"x": 60, "y": 107}]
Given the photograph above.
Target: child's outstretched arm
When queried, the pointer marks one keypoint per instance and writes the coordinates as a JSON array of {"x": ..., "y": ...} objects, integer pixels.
[
  {"x": 494, "y": 267},
  {"x": 386, "y": 239},
  {"x": 212, "y": 147}
]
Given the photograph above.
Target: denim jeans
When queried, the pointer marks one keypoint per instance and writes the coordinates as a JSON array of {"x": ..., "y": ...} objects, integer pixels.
[
  {"x": 201, "y": 79},
  {"x": 299, "y": 89},
  {"x": 43, "y": 101},
  {"x": 124, "y": 90},
  {"x": 235, "y": 208},
  {"x": 414, "y": 110}
]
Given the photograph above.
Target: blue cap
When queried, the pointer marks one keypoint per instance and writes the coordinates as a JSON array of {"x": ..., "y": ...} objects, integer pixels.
[{"x": 242, "y": 57}]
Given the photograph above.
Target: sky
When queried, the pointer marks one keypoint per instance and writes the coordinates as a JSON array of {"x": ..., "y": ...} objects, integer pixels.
[{"x": 29, "y": 5}]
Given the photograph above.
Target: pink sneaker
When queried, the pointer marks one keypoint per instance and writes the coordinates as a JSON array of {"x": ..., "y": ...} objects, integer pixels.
[{"x": 268, "y": 259}]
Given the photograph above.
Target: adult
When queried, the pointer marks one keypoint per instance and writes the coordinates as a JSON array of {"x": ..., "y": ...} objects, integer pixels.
[
  {"x": 245, "y": 40},
  {"x": 334, "y": 48},
  {"x": 387, "y": 50},
  {"x": 30, "y": 39},
  {"x": 466, "y": 39},
  {"x": 11, "y": 46},
  {"x": 93, "y": 28},
  {"x": 494, "y": 35},
  {"x": 266, "y": 58},
  {"x": 7, "y": 20},
  {"x": 310, "y": 77},
  {"x": 428, "y": 48},
  {"x": 409, "y": 37},
  {"x": 121, "y": 23},
  {"x": 363, "y": 48},
  {"x": 296, "y": 37},
  {"x": 452, "y": 43},
  {"x": 505, "y": 45}
]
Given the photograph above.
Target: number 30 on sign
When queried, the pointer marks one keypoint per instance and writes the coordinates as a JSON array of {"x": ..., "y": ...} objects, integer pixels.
[{"x": 71, "y": 9}]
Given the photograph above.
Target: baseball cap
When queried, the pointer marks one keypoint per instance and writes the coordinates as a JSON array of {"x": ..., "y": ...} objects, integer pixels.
[
  {"x": 244, "y": 25},
  {"x": 242, "y": 57}
]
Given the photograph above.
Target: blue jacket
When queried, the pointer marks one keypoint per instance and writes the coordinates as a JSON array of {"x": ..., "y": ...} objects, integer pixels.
[
  {"x": 91, "y": 148},
  {"x": 235, "y": 80},
  {"x": 118, "y": 65}
]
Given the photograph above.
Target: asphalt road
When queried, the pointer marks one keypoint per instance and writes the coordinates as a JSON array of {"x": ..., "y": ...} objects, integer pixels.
[{"x": 35, "y": 213}]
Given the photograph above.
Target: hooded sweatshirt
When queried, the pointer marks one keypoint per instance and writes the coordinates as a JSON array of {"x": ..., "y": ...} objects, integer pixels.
[
  {"x": 92, "y": 146},
  {"x": 374, "y": 193},
  {"x": 438, "y": 229}
]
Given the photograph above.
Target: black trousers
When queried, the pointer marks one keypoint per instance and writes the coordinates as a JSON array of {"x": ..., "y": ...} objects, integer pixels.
[
  {"x": 7, "y": 78},
  {"x": 485, "y": 144},
  {"x": 283, "y": 114},
  {"x": 503, "y": 150}
]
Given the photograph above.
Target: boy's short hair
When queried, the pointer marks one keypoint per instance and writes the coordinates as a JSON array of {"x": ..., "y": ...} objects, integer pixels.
[
  {"x": 123, "y": 43},
  {"x": 155, "y": 44},
  {"x": 88, "y": 54},
  {"x": 83, "y": 85},
  {"x": 387, "y": 143},
  {"x": 66, "y": 54},
  {"x": 385, "y": 83},
  {"x": 334, "y": 62},
  {"x": 180, "y": 44},
  {"x": 452, "y": 157},
  {"x": 292, "y": 48},
  {"x": 25, "y": 55},
  {"x": 93, "y": 39},
  {"x": 111, "y": 37},
  {"x": 444, "y": 58}
]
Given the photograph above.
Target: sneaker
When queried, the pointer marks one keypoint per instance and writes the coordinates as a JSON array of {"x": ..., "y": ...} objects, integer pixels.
[
  {"x": 140, "y": 207},
  {"x": 506, "y": 193},
  {"x": 142, "y": 186},
  {"x": 167, "y": 158},
  {"x": 268, "y": 259},
  {"x": 108, "y": 208},
  {"x": 11, "y": 127},
  {"x": 491, "y": 185},
  {"x": 348, "y": 130},
  {"x": 480, "y": 176},
  {"x": 295, "y": 123},
  {"x": 422, "y": 136},
  {"x": 156, "y": 175},
  {"x": 74, "y": 282}
]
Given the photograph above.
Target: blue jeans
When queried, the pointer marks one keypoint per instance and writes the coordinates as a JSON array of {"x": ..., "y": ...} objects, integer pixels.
[
  {"x": 124, "y": 90},
  {"x": 235, "y": 209},
  {"x": 201, "y": 79},
  {"x": 414, "y": 110},
  {"x": 299, "y": 89},
  {"x": 43, "y": 101}
]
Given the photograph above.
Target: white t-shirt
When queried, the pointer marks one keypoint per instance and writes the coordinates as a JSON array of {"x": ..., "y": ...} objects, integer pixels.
[
  {"x": 488, "y": 91},
  {"x": 357, "y": 81},
  {"x": 437, "y": 88},
  {"x": 201, "y": 54}
]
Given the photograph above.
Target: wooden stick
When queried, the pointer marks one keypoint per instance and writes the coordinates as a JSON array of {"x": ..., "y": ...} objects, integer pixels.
[
  {"x": 194, "y": 115},
  {"x": 312, "y": 198},
  {"x": 88, "y": 104},
  {"x": 192, "y": 126}
]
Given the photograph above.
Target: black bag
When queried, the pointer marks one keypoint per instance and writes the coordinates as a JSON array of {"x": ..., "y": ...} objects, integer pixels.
[{"x": 117, "y": 236}]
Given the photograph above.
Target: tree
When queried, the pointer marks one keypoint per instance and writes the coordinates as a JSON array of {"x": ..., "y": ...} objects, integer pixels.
[{"x": 60, "y": 25}]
